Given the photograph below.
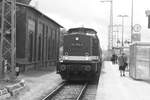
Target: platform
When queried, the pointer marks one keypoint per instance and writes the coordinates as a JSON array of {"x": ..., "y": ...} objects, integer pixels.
[{"x": 114, "y": 87}]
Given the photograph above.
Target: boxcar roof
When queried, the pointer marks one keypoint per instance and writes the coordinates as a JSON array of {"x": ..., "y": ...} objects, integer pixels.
[{"x": 25, "y": 5}]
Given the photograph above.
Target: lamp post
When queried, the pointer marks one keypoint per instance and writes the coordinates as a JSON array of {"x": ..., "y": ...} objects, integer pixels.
[
  {"x": 115, "y": 37},
  {"x": 110, "y": 34},
  {"x": 131, "y": 20},
  {"x": 117, "y": 31},
  {"x": 122, "y": 16}
]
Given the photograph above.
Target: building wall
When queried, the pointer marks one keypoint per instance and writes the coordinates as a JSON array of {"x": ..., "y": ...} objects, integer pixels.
[
  {"x": 20, "y": 32},
  {"x": 40, "y": 38}
]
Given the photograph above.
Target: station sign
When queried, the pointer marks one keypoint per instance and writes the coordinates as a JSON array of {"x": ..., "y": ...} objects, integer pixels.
[
  {"x": 137, "y": 27},
  {"x": 147, "y": 12}
]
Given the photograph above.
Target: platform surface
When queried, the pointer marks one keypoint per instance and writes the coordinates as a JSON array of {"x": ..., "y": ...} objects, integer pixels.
[{"x": 114, "y": 87}]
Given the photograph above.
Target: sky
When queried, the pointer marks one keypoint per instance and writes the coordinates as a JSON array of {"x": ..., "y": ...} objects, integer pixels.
[{"x": 95, "y": 14}]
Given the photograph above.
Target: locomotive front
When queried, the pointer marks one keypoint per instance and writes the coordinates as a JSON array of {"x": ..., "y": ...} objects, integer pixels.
[{"x": 80, "y": 60}]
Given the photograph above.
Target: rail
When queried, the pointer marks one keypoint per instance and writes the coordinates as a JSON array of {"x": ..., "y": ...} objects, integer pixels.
[
  {"x": 82, "y": 91},
  {"x": 54, "y": 92},
  {"x": 64, "y": 89}
]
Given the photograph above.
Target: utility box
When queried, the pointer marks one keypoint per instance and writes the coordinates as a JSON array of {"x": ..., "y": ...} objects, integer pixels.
[{"x": 139, "y": 61}]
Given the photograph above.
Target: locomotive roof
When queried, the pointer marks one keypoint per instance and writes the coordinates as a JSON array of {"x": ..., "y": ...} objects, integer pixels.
[
  {"x": 82, "y": 29},
  {"x": 25, "y": 5}
]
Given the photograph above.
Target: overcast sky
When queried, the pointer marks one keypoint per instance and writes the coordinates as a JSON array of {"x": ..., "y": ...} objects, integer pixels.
[{"x": 94, "y": 14}]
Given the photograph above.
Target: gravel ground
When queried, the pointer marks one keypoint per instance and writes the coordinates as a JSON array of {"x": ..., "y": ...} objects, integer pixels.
[
  {"x": 37, "y": 85},
  {"x": 90, "y": 93},
  {"x": 69, "y": 92}
]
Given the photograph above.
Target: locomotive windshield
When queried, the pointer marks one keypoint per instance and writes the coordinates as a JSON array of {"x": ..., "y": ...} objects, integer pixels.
[
  {"x": 82, "y": 31},
  {"x": 77, "y": 45},
  {"x": 80, "y": 42}
]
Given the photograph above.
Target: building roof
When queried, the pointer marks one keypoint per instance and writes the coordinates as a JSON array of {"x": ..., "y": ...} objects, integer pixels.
[
  {"x": 28, "y": 6},
  {"x": 24, "y": 1}
]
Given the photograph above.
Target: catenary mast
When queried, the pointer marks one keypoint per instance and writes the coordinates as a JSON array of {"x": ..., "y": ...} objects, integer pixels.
[{"x": 8, "y": 37}]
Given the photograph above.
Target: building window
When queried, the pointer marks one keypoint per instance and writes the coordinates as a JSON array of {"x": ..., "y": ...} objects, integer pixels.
[{"x": 31, "y": 31}]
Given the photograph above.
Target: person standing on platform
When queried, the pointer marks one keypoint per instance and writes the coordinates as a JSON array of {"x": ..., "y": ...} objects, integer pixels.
[
  {"x": 122, "y": 61},
  {"x": 116, "y": 57},
  {"x": 125, "y": 63},
  {"x": 17, "y": 70},
  {"x": 113, "y": 59}
]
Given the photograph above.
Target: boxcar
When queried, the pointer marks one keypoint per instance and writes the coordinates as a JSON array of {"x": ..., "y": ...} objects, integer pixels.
[{"x": 37, "y": 38}]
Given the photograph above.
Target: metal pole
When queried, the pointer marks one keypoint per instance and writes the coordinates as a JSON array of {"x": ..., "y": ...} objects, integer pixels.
[
  {"x": 111, "y": 25},
  {"x": 8, "y": 38},
  {"x": 131, "y": 21},
  {"x": 122, "y": 32},
  {"x": 117, "y": 31},
  {"x": 1, "y": 43},
  {"x": 122, "y": 16},
  {"x": 110, "y": 34},
  {"x": 13, "y": 39}
]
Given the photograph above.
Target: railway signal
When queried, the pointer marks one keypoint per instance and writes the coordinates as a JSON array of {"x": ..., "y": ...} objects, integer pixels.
[{"x": 147, "y": 12}]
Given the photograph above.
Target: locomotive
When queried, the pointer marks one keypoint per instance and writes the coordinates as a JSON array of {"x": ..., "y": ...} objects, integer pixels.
[{"x": 82, "y": 56}]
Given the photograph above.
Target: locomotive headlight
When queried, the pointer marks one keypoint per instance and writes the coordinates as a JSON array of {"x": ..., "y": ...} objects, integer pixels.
[
  {"x": 62, "y": 67},
  {"x": 86, "y": 56},
  {"x": 87, "y": 68},
  {"x": 61, "y": 59},
  {"x": 77, "y": 38},
  {"x": 66, "y": 57}
]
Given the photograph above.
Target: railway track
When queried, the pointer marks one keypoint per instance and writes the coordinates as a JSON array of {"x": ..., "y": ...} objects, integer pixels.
[
  {"x": 90, "y": 93},
  {"x": 66, "y": 91}
]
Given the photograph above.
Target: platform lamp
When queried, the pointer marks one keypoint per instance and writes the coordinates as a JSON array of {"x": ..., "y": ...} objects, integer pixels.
[
  {"x": 116, "y": 28},
  {"x": 110, "y": 34},
  {"x": 122, "y": 16},
  {"x": 118, "y": 42}
]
